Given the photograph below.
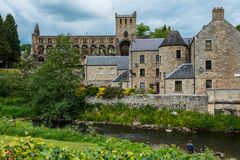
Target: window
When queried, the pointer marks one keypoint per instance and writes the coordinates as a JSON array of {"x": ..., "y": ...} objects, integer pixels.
[
  {"x": 160, "y": 75},
  {"x": 142, "y": 85},
  {"x": 142, "y": 59},
  {"x": 208, "y": 84},
  {"x": 142, "y": 72},
  {"x": 160, "y": 59},
  {"x": 120, "y": 21},
  {"x": 208, "y": 65},
  {"x": 178, "y": 86},
  {"x": 112, "y": 71},
  {"x": 157, "y": 58},
  {"x": 130, "y": 21},
  {"x": 157, "y": 72},
  {"x": 178, "y": 54},
  {"x": 100, "y": 71},
  {"x": 208, "y": 45},
  {"x": 125, "y": 21}
]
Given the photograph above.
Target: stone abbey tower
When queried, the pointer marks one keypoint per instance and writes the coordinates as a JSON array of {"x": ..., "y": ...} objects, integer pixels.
[{"x": 99, "y": 45}]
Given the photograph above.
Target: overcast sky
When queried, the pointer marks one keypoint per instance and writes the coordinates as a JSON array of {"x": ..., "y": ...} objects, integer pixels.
[{"x": 96, "y": 17}]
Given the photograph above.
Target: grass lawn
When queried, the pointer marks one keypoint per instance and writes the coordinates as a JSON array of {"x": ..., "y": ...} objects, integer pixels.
[{"x": 62, "y": 144}]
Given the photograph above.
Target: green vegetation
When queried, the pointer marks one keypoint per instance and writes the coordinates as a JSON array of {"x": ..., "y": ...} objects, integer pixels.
[
  {"x": 238, "y": 27},
  {"x": 108, "y": 148},
  {"x": 122, "y": 114},
  {"x": 9, "y": 42},
  {"x": 6, "y": 140},
  {"x": 144, "y": 31}
]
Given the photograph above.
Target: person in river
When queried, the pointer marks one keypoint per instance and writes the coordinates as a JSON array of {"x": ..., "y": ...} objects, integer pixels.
[{"x": 190, "y": 146}]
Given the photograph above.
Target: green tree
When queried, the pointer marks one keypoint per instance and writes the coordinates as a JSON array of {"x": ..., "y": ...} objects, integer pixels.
[
  {"x": 3, "y": 45},
  {"x": 160, "y": 32},
  {"x": 238, "y": 27},
  {"x": 26, "y": 48},
  {"x": 12, "y": 47},
  {"x": 143, "y": 30},
  {"x": 55, "y": 82}
]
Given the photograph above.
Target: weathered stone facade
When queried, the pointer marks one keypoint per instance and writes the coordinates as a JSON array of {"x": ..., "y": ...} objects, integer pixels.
[
  {"x": 91, "y": 45},
  {"x": 219, "y": 44},
  {"x": 187, "y": 86}
]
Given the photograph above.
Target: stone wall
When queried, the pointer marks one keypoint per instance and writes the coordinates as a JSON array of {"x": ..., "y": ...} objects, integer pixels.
[
  {"x": 187, "y": 102},
  {"x": 221, "y": 100}
]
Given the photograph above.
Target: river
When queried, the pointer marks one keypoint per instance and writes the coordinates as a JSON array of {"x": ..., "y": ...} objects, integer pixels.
[{"x": 229, "y": 144}]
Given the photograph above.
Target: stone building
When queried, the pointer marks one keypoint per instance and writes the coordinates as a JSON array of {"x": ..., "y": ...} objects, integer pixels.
[
  {"x": 176, "y": 65},
  {"x": 153, "y": 59},
  {"x": 92, "y": 45},
  {"x": 107, "y": 70},
  {"x": 216, "y": 55}
]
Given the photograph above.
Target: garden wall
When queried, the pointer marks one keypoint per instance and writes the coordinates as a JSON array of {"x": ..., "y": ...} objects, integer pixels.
[
  {"x": 224, "y": 100},
  {"x": 186, "y": 102}
]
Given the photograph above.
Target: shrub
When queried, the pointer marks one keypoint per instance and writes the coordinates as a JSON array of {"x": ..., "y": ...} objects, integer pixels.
[
  {"x": 92, "y": 91},
  {"x": 129, "y": 91},
  {"x": 112, "y": 92},
  {"x": 101, "y": 92}
]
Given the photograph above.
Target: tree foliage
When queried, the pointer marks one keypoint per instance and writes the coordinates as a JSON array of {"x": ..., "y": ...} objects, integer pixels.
[
  {"x": 238, "y": 27},
  {"x": 55, "y": 82},
  {"x": 143, "y": 31},
  {"x": 9, "y": 42}
]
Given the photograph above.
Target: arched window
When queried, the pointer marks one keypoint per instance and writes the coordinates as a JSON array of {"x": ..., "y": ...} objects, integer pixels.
[
  {"x": 111, "y": 49},
  {"x": 102, "y": 50},
  {"x": 85, "y": 50},
  {"x": 41, "y": 59},
  {"x": 40, "y": 49},
  {"x": 93, "y": 50},
  {"x": 49, "y": 47}
]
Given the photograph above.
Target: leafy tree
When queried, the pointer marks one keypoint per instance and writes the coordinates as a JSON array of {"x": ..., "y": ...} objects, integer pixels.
[
  {"x": 143, "y": 30},
  {"x": 55, "y": 82},
  {"x": 11, "y": 45},
  {"x": 160, "y": 32},
  {"x": 238, "y": 27},
  {"x": 26, "y": 48}
]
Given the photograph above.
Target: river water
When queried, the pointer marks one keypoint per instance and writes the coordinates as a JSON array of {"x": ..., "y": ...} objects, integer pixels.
[{"x": 229, "y": 144}]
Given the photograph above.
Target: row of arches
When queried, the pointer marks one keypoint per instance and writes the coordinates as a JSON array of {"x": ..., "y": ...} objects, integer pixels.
[{"x": 92, "y": 50}]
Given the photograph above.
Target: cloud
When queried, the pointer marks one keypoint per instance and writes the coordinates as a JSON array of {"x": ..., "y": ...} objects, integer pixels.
[{"x": 79, "y": 17}]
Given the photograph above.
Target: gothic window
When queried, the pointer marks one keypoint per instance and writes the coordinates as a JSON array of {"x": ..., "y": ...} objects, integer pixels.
[
  {"x": 93, "y": 50},
  {"x": 85, "y": 50},
  {"x": 178, "y": 54},
  {"x": 50, "y": 40},
  {"x": 49, "y": 47},
  {"x": 41, "y": 40},
  {"x": 208, "y": 84},
  {"x": 130, "y": 21},
  {"x": 142, "y": 59},
  {"x": 208, "y": 45},
  {"x": 178, "y": 86},
  {"x": 208, "y": 65},
  {"x": 125, "y": 34},
  {"x": 120, "y": 21},
  {"x": 142, "y": 72},
  {"x": 125, "y": 21},
  {"x": 75, "y": 46},
  {"x": 102, "y": 50},
  {"x": 41, "y": 59},
  {"x": 111, "y": 49},
  {"x": 40, "y": 49},
  {"x": 84, "y": 40}
]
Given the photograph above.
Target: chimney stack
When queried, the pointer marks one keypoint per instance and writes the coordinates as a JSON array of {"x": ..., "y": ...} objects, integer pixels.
[{"x": 218, "y": 14}]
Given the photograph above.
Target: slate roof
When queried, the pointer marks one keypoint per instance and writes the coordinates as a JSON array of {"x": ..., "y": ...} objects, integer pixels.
[
  {"x": 152, "y": 44},
  {"x": 185, "y": 71},
  {"x": 124, "y": 77},
  {"x": 120, "y": 61},
  {"x": 173, "y": 38}
]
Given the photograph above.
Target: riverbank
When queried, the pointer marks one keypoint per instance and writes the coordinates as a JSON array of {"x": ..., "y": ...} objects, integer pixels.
[
  {"x": 108, "y": 147},
  {"x": 151, "y": 117}
]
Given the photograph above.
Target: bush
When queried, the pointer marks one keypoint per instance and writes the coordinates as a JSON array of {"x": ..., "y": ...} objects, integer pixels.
[
  {"x": 101, "y": 91},
  {"x": 92, "y": 91},
  {"x": 112, "y": 92},
  {"x": 129, "y": 91}
]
